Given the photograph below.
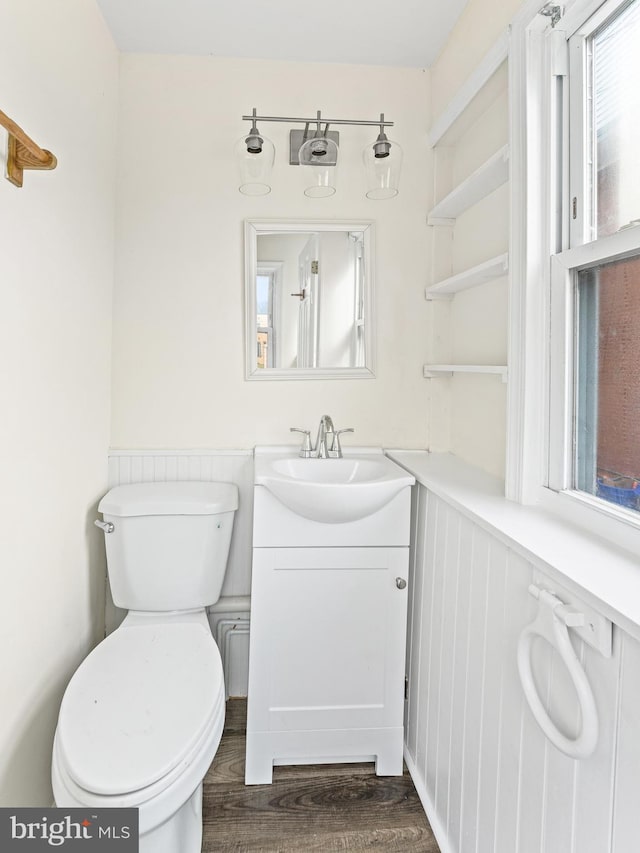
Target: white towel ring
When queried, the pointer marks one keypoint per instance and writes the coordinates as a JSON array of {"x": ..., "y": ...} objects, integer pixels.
[{"x": 551, "y": 624}]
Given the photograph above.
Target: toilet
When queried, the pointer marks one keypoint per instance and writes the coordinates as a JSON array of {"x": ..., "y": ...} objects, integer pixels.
[{"x": 142, "y": 717}]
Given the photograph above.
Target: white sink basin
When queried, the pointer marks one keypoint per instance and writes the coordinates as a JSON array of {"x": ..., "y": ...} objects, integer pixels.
[{"x": 331, "y": 490}]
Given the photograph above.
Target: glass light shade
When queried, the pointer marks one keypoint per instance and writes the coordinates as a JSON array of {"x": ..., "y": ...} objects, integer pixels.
[
  {"x": 383, "y": 173},
  {"x": 255, "y": 166},
  {"x": 319, "y": 169}
]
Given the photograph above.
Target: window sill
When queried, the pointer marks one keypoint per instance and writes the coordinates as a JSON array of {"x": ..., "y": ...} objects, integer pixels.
[{"x": 605, "y": 576}]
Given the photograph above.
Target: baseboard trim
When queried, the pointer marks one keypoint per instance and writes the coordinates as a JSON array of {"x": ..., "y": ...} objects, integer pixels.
[{"x": 437, "y": 828}]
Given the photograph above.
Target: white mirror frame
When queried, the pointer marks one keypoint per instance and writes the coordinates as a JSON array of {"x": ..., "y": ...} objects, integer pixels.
[{"x": 252, "y": 229}]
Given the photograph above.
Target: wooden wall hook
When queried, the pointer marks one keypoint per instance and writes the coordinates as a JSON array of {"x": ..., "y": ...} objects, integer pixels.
[{"x": 23, "y": 152}]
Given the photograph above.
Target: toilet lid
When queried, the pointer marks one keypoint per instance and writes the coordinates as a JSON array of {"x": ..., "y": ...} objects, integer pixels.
[{"x": 138, "y": 705}]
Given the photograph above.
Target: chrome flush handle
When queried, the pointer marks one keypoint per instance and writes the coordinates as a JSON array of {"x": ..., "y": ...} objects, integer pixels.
[{"x": 105, "y": 526}]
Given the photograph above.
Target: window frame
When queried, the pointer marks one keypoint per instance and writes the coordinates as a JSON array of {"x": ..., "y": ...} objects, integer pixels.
[{"x": 547, "y": 251}]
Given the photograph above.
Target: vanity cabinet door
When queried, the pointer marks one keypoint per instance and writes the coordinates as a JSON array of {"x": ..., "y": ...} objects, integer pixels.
[{"x": 327, "y": 642}]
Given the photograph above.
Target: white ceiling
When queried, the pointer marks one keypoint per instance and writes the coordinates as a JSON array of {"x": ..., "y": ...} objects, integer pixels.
[{"x": 371, "y": 32}]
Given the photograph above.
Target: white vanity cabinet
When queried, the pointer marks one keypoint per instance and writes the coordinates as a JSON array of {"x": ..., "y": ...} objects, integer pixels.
[{"x": 328, "y": 636}]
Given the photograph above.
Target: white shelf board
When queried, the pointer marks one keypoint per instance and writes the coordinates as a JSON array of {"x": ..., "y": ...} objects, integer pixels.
[
  {"x": 474, "y": 276},
  {"x": 434, "y": 371},
  {"x": 483, "y": 72},
  {"x": 493, "y": 173}
]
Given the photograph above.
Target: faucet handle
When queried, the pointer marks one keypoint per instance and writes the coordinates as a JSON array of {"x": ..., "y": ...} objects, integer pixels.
[
  {"x": 336, "y": 449},
  {"x": 306, "y": 449}
]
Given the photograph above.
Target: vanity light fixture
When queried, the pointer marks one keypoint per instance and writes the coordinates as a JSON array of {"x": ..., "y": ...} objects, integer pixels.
[
  {"x": 318, "y": 155},
  {"x": 254, "y": 155},
  {"x": 316, "y": 149},
  {"x": 382, "y": 161}
]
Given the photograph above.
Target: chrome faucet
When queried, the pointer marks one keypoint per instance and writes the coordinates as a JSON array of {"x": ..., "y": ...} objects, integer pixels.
[
  {"x": 327, "y": 444},
  {"x": 326, "y": 437}
]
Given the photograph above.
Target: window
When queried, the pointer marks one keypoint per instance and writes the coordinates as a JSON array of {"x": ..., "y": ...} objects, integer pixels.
[
  {"x": 607, "y": 431},
  {"x": 574, "y": 358},
  {"x": 604, "y": 124},
  {"x": 594, "y": 360},
  {"x": 267, "y": 281}
]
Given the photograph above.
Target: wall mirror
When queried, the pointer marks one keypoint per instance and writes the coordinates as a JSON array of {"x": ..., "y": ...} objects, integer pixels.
[{"x": 309, "y": 300}]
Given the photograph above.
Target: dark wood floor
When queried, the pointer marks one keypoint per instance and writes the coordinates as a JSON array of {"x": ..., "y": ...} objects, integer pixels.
[{"x": 307, "y": 809}]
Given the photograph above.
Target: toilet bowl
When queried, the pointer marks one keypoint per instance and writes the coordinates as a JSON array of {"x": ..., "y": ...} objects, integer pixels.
[
  {"x": 142, "y": 717},
  {"x": 140, "y": 723}
]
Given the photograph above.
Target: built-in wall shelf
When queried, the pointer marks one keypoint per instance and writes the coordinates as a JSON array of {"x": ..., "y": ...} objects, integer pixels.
[
  {"x": 434, "y": 371},
  {"x": 493, "y": 173},
  {"x": 486, "y": 271},
  {"x": 476, "y": 81}
]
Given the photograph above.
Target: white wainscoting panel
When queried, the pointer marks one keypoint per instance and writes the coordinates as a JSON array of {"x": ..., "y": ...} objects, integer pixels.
[{"x": 489, "y": 779}]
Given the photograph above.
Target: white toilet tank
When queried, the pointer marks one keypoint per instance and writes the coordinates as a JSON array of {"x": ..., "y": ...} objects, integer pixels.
[{"x": 169, "y": 545}]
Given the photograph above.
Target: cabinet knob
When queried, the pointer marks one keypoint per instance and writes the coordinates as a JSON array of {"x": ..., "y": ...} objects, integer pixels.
[{"x": 401, "y": 583}]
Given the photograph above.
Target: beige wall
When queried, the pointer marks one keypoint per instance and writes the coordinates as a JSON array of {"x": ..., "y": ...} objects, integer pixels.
[
  {"x": 178, "y": 321},
  {"x": 59, "y": 69},
  {"x": 477, "y": 29},
  {"x": 468, "y": 412}
]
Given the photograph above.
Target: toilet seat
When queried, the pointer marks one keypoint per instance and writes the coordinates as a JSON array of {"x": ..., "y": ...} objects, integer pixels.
[
  {"x": 155, "y": 803},
  {"x": 139, "y": 709}
]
